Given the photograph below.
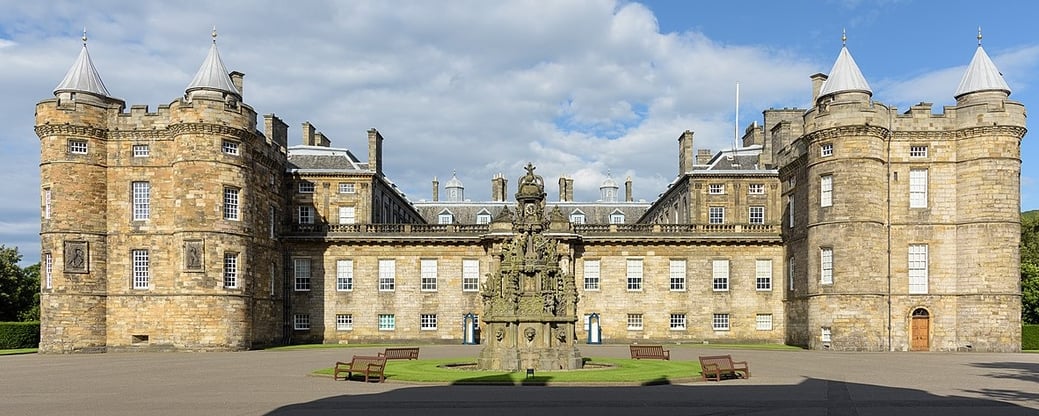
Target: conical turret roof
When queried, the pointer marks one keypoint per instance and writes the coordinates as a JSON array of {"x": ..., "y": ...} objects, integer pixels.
[
  {"x": 845, "y": 76},
  {"x": 981, "y": 75},
  {"x": 82, "y": 76},
  {"x": 212, "y": 75}
]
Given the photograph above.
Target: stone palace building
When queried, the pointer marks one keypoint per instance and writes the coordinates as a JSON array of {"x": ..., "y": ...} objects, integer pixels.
[{"x": 849, "y": 225}]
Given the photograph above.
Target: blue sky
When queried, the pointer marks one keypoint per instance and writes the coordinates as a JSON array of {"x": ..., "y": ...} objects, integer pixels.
[{"x": 580, "y": 87}]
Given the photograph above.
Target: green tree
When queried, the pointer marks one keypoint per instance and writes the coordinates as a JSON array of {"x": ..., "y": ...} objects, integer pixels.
[
  {"x": 1030, "y": 267},
  {"x": 30, "y": 310},
  {"x": 11, "y": 284}
]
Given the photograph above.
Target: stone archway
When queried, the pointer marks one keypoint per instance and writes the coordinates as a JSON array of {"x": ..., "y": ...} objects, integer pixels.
[{"x": 920, "y": 330}]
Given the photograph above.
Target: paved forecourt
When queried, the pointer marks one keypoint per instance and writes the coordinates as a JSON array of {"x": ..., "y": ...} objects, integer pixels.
[{"x": 278, "y": 383}]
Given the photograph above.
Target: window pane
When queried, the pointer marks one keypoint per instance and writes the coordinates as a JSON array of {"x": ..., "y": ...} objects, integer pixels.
[
  {"x": 677, "y": 275},
  {"x": 763, "y": 274},
  {"x": 634, "y": 274},
  {"x": 428, "y": 271},
  {"x": 141, "y": 272},
  {"x": 720, "y": 274},
  {"x": 470, "y": 275},
  {"x": 387, "y": 275},
  {"x": 344, "y": 275},
  {"x": 591, "y": 275},
  {"x": 301, "y": 274}
]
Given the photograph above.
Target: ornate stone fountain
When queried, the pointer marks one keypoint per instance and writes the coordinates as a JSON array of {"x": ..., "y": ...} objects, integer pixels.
[{"x": 530, "y": 301}]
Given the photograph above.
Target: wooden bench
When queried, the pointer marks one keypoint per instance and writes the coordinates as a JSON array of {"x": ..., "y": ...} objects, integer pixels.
[
  {"x": 400, "y": 353},
  {"x": 656, "y": 352},
  {"x": 367, "y": 365},
  {"x": 714, "y": 367}
]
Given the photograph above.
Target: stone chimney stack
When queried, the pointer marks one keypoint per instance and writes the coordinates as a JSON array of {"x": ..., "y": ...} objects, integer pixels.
[
  {"x": 308, "y": 134},
  {"x": 499, "y": 187},
  {"x": 436, "y": 189},
  {"x": 375, "y": 151},
  {"x": 685, "y": 152},
  {"x": 817, "y": 85},
  {"x": 627, "y": 190},
  {"x": 238, "y": 79},
  {"x": 277, "y": 131},
  {"x": 321, "y": 140},
  {"x": 569, "y": 189},
  {"x": 703, "y": 156},
  {"x": 562, "y": 189}
]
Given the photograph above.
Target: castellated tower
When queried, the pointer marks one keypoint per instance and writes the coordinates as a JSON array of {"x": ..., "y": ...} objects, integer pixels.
[
  {"x": 160, "y": 228},
  {"x": 902, "y": 229}
]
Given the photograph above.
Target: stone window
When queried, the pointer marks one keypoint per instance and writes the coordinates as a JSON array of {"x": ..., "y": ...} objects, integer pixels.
[
  {"x": 716, "y": 215},
  {"x": 347, "y": 188},
  {"x": 918, "y": 188},
  {"x": 230, "y": 270},
  {"x": 273, "y": 221},
  {"x": 78, "y": 147},
  {"x": 344, "y": 275},
  {"x": 790, "y": 210},
  {"x": 301, "y": 275},
  {"x": 763, "y": 274},
  {"x": 470, "y": 275},
  {"x": 301, "y": 322},
  {"x": 634, "y": 274},
  {"x": 274, "y": 277},
  {"x": 917, "y": 151},
  {"x": 591, "y": 275},
  {"x": 306, "y": 187},
  {"x": 344, "y": 322},
  {"x": 676, "y": 272},
  {"x": 387, "y": 322},
  {"x": 716, "y": 188},
  {"x": 428, "y": 275},
  {"x": 790, "y": 271},
  {"x": 46, "y": 203},
  {"x": 635, "y": 321},
  {"x": 141, "y": 200},
  {"x": 48, "y": 271},
  {"x": 141, "y": 269},
  {"x": 826, "y": 265},
  {"x": 756, "y": 189},
  {"x": 141, "y": 150},
  {"x": 677, "y": 322},
  {"x": 305, "y": 214},
  {"x": 720, "y": 275},
  {"x": 763, "y": 322},
  {"x": 720, "y": 322},
  {"x": 428, "y": 322},
  {"x": 347, "y": 215},
  {"x": 229, "y": 147},
  {"x": 824, "y": 334},
  {"x": 757, "y": 215},
  {"x": 826, "y": 190},
  {"x": 387, "y": 275},
  {"x": 918, "y": 268},
  {"x": 826, "y": 149},
  {"x": 231, "y": 203}
]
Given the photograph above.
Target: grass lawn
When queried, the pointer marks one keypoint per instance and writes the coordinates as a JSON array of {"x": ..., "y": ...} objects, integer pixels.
[
  {"x": 19, "y": 351},
  {"x": 324, "y": 346},
  {"x": 622, "y": 371}
]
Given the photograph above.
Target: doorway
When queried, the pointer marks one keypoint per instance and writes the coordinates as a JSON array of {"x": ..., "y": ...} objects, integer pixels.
[{"x": 920, "y": 330}]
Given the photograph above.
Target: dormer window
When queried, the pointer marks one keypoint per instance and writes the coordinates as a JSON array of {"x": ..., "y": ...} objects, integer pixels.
[
  {"x": 577, "y": 217},
  {"x": 617, "y": 217},
  {"x": 445, "y": 217},
  {"x": 483, "y": 217}
]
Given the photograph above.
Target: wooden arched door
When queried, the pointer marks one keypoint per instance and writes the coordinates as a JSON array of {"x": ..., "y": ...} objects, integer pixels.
[{"x": 920, "y": 330}]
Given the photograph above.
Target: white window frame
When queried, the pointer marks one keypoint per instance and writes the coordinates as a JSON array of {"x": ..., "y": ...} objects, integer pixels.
[
  {"x": 141, "y": 269},
  {"x": 470, "y": 275},
  {"x": 592, "y": 275},
  {"x": 721, "y": 322},
  {"x": 720, "y": 275},
  {"x": 756, "y": 189},
  {"x": 825, "y": 334},
  {"x": 78, "y": 147},
  {"x": 918, "y": 269},
  {"x": 763, "y": 322},
  {"x": 305, "y": 214},
  {"x": 763, "y": 275},
  {"x": 344, "y": 275},
  {"x": 347, "y": 215},
  {"x": 344, "y": 322},
  {"x": 428, "y": 275},
  {"x": 826, "y": 265},
  {"x": 756, "y": 215},
  {"x": 231, "y": 203},
  {"x": 305, "y": 187},
  {"x": 141, "y": 197},
  {"x": 230, "y": 270},
  {"x": 445, "y": 218},
  {"x": 46, "y": 203},
  {"x": 716, "y": 215},
  {"x": 617, "y": 218},
  {"x": 428, "y": 322},
  {"x": 302, "y": 269},
  {"x": 918, "y": 188},
  {"x": 387, "y": 322},
  {"x": 635, "y": 322},
  {"x": 347, "y": 188},
  {"x": 301, "y": 322},
  {"x": 826, "y": 149},
  {"x": 274, "y": 277},
  {"x": 790, "y": 209},
  {"x": 676, "y": 275},
  {"x": 48, "y": 271},
  {"x": 826, "y": 190},
  {"x": 917, "y": 151},
  {"x": 230, "y": 147},
  {"x": 677, "y": 322},
  {"x": 634, "y": 274},
  {"x": 387, "y": 275},
  {"x": 483, "y": 218},
  {"x": 140, "y": 150},
  {"x": 577, "y": 218},
  {"x": 790, "y": 272},
  {"x": 716, "y": 189}
]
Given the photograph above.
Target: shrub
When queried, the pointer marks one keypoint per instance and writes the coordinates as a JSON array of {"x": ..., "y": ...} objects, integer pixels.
[
  {"x": 19, "y": 335},
  {"x": 1030, "y": 337}
]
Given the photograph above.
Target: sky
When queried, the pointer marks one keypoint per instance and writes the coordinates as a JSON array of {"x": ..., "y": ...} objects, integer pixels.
[{"x": 584, "y": 88}]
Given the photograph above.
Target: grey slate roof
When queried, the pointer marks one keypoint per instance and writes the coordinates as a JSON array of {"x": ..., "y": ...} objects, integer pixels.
[
  {"x": 212, "y": 75},
  {"x": 845, "y": 76},
  {"x": 981, "y": 75},
  {"x": 324, "y": 159},
  {"x": 82, "y": 76}
]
